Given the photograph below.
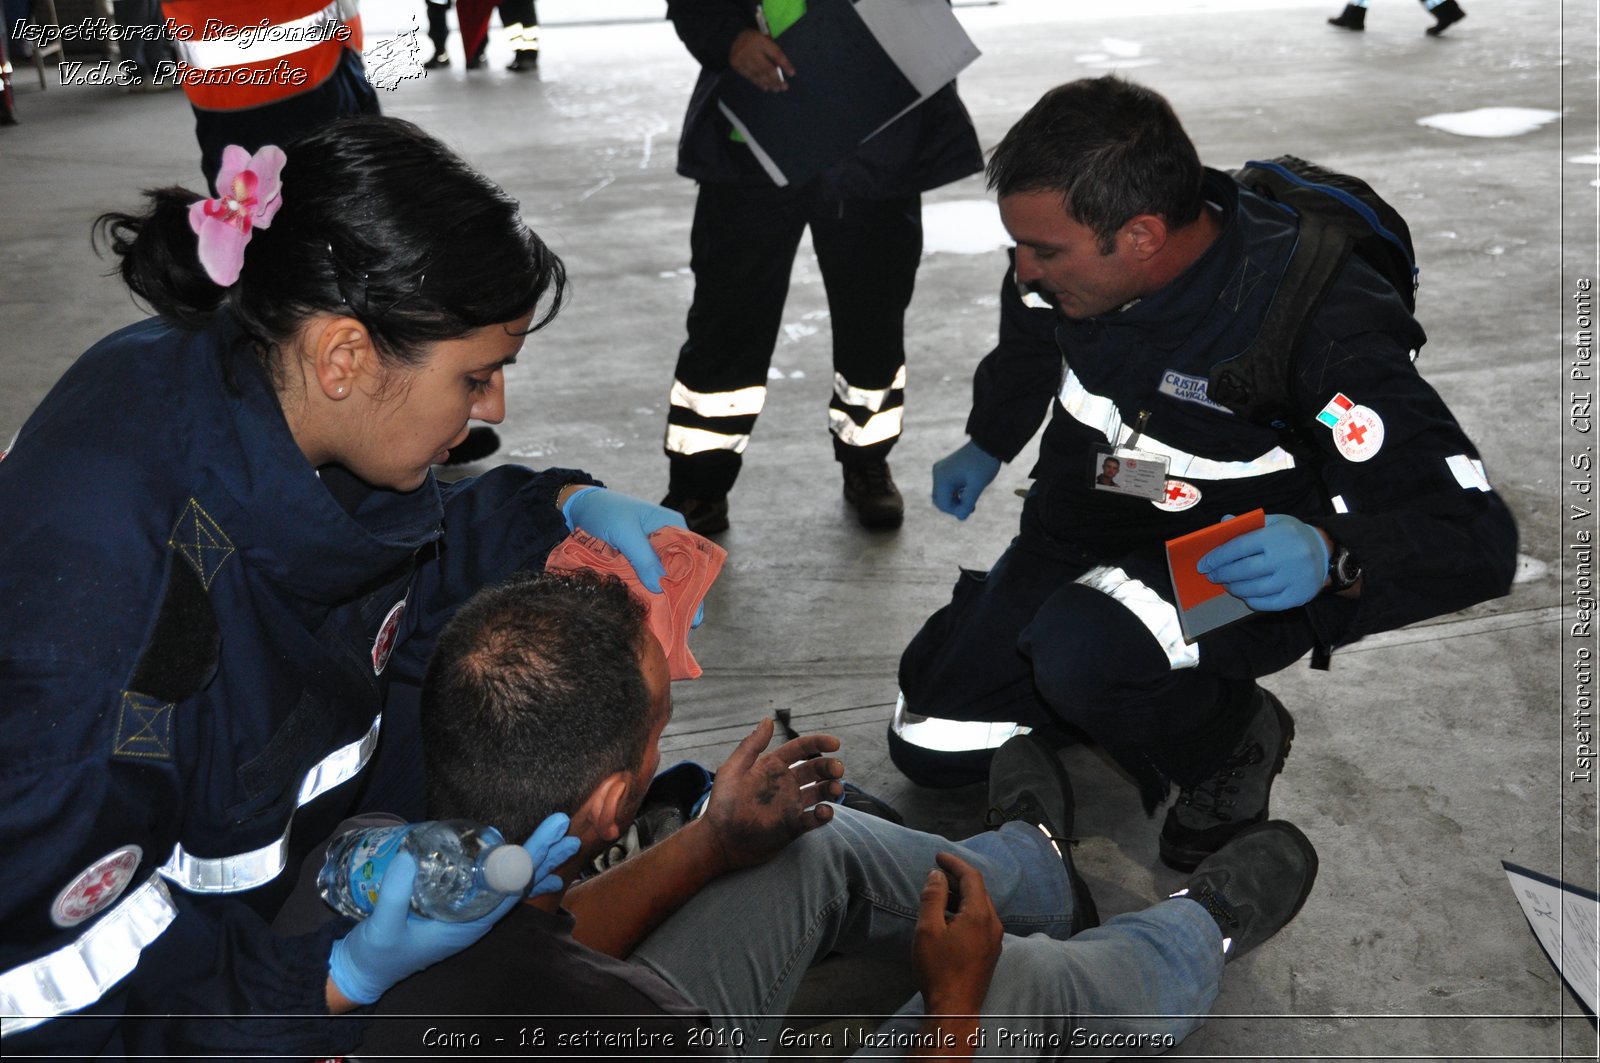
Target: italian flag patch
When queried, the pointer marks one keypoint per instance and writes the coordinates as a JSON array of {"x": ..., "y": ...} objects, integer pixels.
[{"x": 1335, "y": 411}]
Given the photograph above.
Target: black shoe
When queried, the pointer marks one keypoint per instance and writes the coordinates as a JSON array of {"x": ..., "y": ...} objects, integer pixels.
[
  {"x": 705, "y": 516},
  {"x": 1028, "y": 783},
  {"x": 675, "y": 798},
  {"x": 1351, "y": 18},
  {"x": 855, "y": 797},
  {"x": 1235, "y": 796},
  {"x": 479, "y": 444},
  {"x": 1255, "y": 884},
  {"x": 440, "y": 58},
  {"x": 524, "y": 60},
  {"x": 1447, "y": 14},
  {"x": 871, "y": 490}
]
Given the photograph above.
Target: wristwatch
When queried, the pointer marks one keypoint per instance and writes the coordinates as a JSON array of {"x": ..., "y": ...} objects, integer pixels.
[{"x": 1344, "y": 571}]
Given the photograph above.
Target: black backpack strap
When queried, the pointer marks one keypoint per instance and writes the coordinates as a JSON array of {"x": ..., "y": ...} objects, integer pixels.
[{"x": 1257, "y": 384}]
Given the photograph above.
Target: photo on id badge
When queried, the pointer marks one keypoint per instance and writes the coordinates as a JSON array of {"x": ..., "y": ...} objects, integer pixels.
[{"x": 1129, "y": 472}]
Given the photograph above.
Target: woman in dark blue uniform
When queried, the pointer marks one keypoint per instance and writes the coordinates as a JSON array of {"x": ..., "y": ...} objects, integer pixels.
[{"x": 221, "y": 546}]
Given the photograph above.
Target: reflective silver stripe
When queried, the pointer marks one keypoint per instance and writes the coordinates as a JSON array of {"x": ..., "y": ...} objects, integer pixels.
[
  {"x": 950, "y": 736},
  {"x": 681, "y": 440},
  {"x": 1101, "y": 414},
  {"x": 745, "y": 402},
  {"x": 77, "y": 975},
  {"x": 867, "y": 398},
  {"x": 227, "y": 874},
  {"x": 1153, "y": 612},
  {"x": 277, "y": 41},
  {"x": 244, "y": 871},
  {"x": 1469, "y": 474},
  {"x": 879, "y": 427},
  {"x": 1339, "y": 504},
  {"x": 342, "y": 765},
  {"x": 522, "y": 34}
]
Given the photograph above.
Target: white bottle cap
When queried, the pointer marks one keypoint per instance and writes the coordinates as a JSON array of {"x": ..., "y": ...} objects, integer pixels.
[{"x": 508, "y": 869}]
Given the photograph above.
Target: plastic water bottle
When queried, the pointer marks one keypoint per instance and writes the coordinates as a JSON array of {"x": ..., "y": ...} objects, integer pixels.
[{"x": 463, "y": 870}]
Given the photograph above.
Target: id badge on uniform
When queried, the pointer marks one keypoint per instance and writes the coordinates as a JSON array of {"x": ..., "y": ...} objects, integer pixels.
[{"x": 1125, "y": 471}]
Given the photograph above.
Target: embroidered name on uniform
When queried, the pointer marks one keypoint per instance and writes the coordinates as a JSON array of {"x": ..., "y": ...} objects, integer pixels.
[
  {"x": 201, "y": 542},
  {"x": 1187, "y": 388}
]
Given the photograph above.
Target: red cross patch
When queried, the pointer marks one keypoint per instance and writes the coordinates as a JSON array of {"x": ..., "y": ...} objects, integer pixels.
[
  {"x": 97, "y": 887},
  {"x": 1359, "y": 434},
  {"x": 1179, "y": 495},
  {"x": 383, "y": 645}
]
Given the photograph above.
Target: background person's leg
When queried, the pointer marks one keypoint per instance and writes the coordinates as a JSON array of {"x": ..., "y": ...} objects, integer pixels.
[
  {"x": 868, "y": 251},
  {"x": 742, "y": 247}
]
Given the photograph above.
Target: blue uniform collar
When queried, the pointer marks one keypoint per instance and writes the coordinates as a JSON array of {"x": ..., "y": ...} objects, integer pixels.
[{"x": 283, "y": 519}]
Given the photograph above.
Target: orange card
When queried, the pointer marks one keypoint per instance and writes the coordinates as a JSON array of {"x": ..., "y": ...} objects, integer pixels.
[{"x": 1184, "y": 554}]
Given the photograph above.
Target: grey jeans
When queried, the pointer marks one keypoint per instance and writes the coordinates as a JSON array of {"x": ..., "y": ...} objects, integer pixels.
[{"x": 1138, "y": 984}]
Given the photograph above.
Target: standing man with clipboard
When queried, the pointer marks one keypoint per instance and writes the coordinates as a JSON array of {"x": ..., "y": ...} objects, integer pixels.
[{"x": 865, "y": 215}]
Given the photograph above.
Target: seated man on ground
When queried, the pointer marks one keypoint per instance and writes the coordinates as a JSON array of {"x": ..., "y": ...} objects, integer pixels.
[{"x": 548, "y": 694}]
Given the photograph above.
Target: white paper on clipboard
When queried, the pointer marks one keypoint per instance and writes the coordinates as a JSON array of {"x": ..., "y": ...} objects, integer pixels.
[
  {"x": 1566, "y": 920},
  {"x": 924, "y": 39}
]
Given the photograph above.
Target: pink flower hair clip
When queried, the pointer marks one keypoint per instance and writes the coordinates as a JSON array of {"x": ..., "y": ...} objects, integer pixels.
[{"x": 248, "y": 195}]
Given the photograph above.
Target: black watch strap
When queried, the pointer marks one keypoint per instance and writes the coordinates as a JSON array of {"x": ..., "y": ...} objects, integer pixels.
[{"x": 1344, "y": 571}]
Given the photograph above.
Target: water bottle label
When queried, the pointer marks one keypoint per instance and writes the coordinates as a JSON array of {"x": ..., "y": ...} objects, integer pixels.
[{"x": 369, "y": 860}]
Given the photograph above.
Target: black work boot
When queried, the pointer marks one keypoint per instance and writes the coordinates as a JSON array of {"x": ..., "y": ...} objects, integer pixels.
[
  {"x": 705, "y": 516},
  {"x": 1447, "y": 15},
  {"x": 524, "y": 60},
  {"x": 1351, "y": 18},
  {"x": 1255, "y": 884},
  {"x": 1028, "y": 783},
  {"x": 1234, "y": 796},
  {"x": 870, "y": 489}
]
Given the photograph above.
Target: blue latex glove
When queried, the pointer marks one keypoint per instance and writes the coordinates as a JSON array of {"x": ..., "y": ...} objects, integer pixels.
[
  {"x": 960, "y": 477},
  {"x": 550, "y": 846},
  {"x": 1279, "y": 566},
  {"x": 395, "y": 943},
  {"x": 625, "y": 523}
]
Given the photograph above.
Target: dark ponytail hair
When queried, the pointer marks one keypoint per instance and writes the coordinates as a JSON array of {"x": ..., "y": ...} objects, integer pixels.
[{"x": 379, "y": 221}]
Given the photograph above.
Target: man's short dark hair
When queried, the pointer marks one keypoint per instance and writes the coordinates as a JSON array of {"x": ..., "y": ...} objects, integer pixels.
[
  {"x": 533, "y": 696},
  {"x": 1110, "y": 148}
]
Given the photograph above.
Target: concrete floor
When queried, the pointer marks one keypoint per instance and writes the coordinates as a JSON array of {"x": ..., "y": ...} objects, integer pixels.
[{"x": 1423, "y": 759}]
